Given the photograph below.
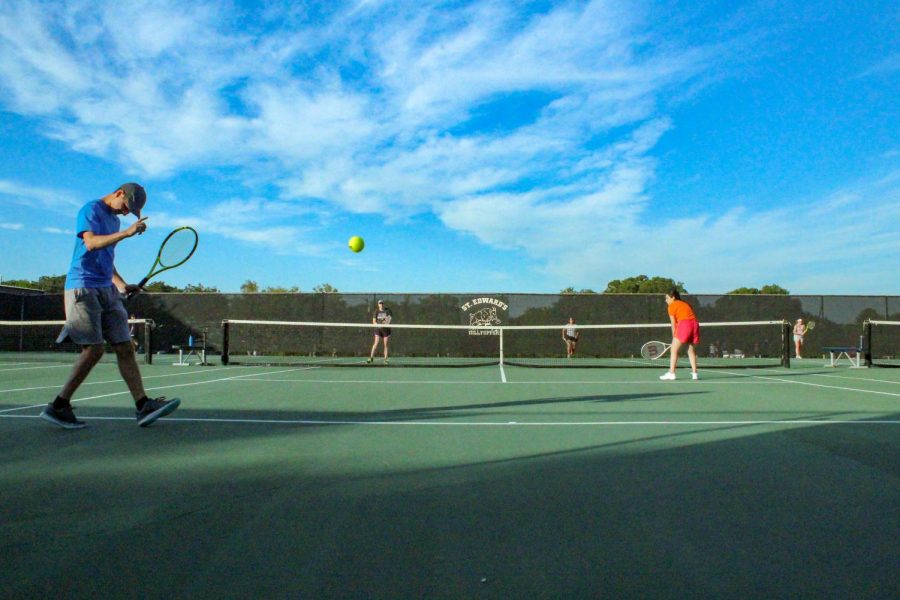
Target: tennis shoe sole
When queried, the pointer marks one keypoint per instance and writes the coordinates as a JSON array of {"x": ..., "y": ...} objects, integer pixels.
[
  {"x": 48, "y": 415},
  {"x": 167, "y": 408}
]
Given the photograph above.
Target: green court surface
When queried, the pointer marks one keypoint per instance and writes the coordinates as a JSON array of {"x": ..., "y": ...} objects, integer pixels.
[{"x": 454, "y": 483}]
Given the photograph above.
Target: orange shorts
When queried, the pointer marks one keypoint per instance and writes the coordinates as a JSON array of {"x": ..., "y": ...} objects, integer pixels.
[{"x": 688, "y": 331}]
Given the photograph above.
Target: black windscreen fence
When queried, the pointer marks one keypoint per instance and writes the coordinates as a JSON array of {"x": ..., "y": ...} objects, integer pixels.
[{"x": 177, "y": 318}]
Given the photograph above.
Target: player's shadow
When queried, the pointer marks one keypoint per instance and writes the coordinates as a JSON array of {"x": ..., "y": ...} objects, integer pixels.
[
  {"x": 453, "y": 410},
  {"x": 325, "y": 418}
]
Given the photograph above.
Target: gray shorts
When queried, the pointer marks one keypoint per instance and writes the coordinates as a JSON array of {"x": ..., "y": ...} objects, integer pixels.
[{"x": 95, "y": 314}]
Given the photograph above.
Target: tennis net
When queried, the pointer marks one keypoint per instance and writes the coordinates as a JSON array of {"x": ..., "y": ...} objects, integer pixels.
[
  {"x": 35, "y": 341},
  {"x": 726, "y": 345},
  {"x": 882, "y": 343}
]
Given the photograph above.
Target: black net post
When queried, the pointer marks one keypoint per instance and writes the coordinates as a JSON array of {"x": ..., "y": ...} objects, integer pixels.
[
  {"x": 867, "y": 333},
  {"x": 148, "y": 341},
  {"x": 225, "y": 343},
  {"x": 786, "y": 332}
]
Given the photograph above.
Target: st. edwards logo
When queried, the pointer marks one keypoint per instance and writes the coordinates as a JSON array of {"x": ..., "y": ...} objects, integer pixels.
[{"x": 484, "y": 314}]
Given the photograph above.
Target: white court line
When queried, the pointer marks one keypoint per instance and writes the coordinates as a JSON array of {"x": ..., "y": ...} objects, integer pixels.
[
  {"x": 818, "y": 385},
  {"x": 639, "y": 362},
  {"x": 29, "y": 368},
  {"x": 502, "y": 374},
  {"x": 50, "y": 365},
  {"x": 860, "y": 379},
  {"x": 164, "y": 387},
  {"x": 654, "y": 381},
  {"x": 486, "y": 423},
  {"x": 118, "y": 380}
]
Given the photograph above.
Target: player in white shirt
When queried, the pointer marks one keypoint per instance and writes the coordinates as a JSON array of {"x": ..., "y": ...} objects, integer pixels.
[{"x": 570, "y": 337}]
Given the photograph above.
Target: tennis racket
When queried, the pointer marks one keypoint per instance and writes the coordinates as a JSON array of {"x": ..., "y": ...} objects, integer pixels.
[
  {"x": 810, "y": 326},
  {"x": 175, "y": 250},
  {"x": 653, "y": 350}
]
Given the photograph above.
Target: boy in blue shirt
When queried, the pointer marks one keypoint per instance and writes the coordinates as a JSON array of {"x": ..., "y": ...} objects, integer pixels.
[{"x": 95, "y": 309}]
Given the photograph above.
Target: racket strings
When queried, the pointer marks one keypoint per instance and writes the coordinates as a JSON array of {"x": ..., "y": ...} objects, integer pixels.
[
  {"x": 653, "y": 350},
  {"x": 177, "y": 248}
]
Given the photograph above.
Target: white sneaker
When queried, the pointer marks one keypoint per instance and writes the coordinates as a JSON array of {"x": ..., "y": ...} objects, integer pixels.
[
  {"x": 695, "y": 376},
  {"x": 669, "y": 376}
]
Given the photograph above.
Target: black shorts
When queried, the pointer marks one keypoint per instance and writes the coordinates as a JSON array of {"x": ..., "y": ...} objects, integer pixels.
[
  {"x": 383, "y": 332},
  {"x": 570, "y": 338}
]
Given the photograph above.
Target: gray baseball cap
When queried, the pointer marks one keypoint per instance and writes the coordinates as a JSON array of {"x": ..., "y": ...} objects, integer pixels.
[{"x": 136, "y": 196}]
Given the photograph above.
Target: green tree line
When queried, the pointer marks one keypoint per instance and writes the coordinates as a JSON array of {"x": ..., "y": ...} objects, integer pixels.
[
  {"x": 251, "y": 287},
  {"x": 57, "y": 283},
  {"x": 641, "y": 284}
]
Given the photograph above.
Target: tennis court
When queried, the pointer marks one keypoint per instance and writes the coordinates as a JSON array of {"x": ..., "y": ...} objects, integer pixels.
[{"x": 482, "y": 482}]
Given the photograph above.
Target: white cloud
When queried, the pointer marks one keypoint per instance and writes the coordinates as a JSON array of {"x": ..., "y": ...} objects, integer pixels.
[
  {"x": 887, "y": 66},
  {"x": 12, "y": 226},
  {"x": 253, "y": 222},
  {"x": 60, "y": 201},
  {"x": 548, "y": 221},
  {"x": 298, "y": 126}
]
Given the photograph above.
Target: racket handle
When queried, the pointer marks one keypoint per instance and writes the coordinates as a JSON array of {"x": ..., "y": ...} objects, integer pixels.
[{"x": 131, "y": 294}]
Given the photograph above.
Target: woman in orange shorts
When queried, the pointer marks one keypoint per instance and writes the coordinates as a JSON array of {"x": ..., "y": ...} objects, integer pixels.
[{"x": 685, "y": 330}]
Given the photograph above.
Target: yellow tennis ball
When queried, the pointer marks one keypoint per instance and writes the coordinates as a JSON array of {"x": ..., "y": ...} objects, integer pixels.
[{"x": 356, "y": 243}]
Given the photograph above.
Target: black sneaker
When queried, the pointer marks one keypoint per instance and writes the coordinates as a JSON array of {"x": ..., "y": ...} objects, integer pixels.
[
  {"x": 155, "y": 408},
  {"x": 64, "y": 417}
]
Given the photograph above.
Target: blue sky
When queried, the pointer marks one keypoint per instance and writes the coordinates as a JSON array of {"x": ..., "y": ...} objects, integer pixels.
[{"x": 476, "y": 146}]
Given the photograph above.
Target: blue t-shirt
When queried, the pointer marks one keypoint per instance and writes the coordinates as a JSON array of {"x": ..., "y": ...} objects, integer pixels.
[{"x": 94, "y": 268}]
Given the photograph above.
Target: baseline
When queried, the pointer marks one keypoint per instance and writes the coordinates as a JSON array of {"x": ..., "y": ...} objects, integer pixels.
[
  {"x": 818, "y": 385},
  {"x": 164, "y": 387},
  {"x": 32, "y": 366},
  {"x": 860, "y": 378},
  {"x": 118, "y": 380}
]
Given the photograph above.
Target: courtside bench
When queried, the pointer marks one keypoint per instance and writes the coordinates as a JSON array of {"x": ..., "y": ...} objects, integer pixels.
[{"x": 851, "y": 353}]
